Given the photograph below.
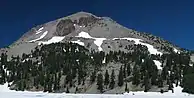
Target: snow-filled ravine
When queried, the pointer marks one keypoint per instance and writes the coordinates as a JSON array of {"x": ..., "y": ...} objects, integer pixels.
[
  {"x": 6, "y": 93},
  {"x": 41, "y": 37}
]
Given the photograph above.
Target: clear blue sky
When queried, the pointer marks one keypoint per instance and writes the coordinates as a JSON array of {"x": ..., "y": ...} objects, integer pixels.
[{"x": 172, "y": 20}]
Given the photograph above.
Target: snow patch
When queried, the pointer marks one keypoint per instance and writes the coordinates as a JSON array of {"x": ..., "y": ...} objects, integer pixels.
[
  {"x": 39, "y": 63},
  {"x": 39, "y": 30},
  {"x": 42, "y": 36},
  {"x": 84, "y": 35},
  {"x": 158, "y": 64},
  {"x": 5, "y": 92},
  {"x": 98, "y": 41},
  {"x": 6, "y": 71},
  {"x": 64, "y": 50},
  {"x": 25, "y": 60},
  {"x": 81, "y": 26},
  {"x": 142, "y": 60},
  {"x": 104, "y": 61},
  {"x": 5, "y": 88},
  {"x": 78, "y": 42},
  {"x": 176, "y": 51},
  {"x": 54, "y": 39}
]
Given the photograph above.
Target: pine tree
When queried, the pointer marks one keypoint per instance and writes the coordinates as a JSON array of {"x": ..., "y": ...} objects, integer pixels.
[
  {"x": 188, "y": 85},
  {"x": 146, "y": 82},
  {"x": 55, "y": 82},
  {"x": 112, "y": 82},
  {"x": 136, "y": 76},
  {"x": 83, "y": 81},
  {"x": 170, "y": 87},
  {"x": 100, "y": 82},
  {"x": 80, "y": 75},
  {"x": 124, "y": 71},
  {"x": 126, "y": 88},
  {"x": 93, "y": 76},
  {"x": 162, "y": 91},
  {"x": 160, "y": 81},
  {"x": 128, "y": 70},
  {"x": 74, "y": 72},
  {"x": 120, "y": 77},
  {"x": 164, "y": 73},
  {"x": 106, "y": 80},
  {"x": 76, "y": 90},
  {"x": 67, "y": 90},
  {"x": 69, "y": 78},
  {"x": 154, "y": 75}
]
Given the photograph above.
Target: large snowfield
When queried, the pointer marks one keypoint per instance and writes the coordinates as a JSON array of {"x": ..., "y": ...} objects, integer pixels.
[{"x": 6, "y": 93}]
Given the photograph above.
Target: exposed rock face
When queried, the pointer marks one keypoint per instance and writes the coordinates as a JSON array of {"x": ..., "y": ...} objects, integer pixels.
[
  {"x": 85, "y": 21},
  {"x": 64, "y": 27}
]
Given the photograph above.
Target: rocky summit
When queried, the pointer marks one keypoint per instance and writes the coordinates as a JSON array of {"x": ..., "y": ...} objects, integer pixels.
[{"x": 84, "y": 53}]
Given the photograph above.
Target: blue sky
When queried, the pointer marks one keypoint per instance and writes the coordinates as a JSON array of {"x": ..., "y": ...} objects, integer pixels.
[{"x": 172, "y": 20}]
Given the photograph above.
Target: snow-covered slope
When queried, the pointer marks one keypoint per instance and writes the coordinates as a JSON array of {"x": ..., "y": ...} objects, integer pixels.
[{"x": 6, "y": 93}]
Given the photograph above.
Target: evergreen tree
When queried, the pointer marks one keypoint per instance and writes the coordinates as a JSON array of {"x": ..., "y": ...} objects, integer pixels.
[
  {"x": 128, "y": 70},
  {"x": 55, "y": 83},
  {"x": 136, "y": 76},
  {"x": 154, "y": 75},
  {"x": 67, "y": 90},
  {"x": 112, "y": 82},
  {"x": 162, "y": 91},
  {"x": 160, "y": 82},
  {"x": 100, "y": 82},
  {"x": 188, "y": 85},
  {"x": 83, "y": 82},
  {"x": 164, "y": 73},
  {"x": 170, "y": 87},
  {"x": 124, "y": 71},
  {"x": 106, "y": 80},
  {"x": 146, "y": 82},
  {"x": 76, "y": 90},
  {"x": 126, "y": 88},
  {"x": 80, "y": 75},
  {"x": 120, "y": 77},
  {"x": 93, "y": 76}
]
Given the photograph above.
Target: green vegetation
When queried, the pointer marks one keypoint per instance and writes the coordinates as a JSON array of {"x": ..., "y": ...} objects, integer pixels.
[{"x": 48, "y": 65}]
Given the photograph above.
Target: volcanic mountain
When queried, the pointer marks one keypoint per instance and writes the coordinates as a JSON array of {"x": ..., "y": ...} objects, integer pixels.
[{"x": 84, "y": 53}]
